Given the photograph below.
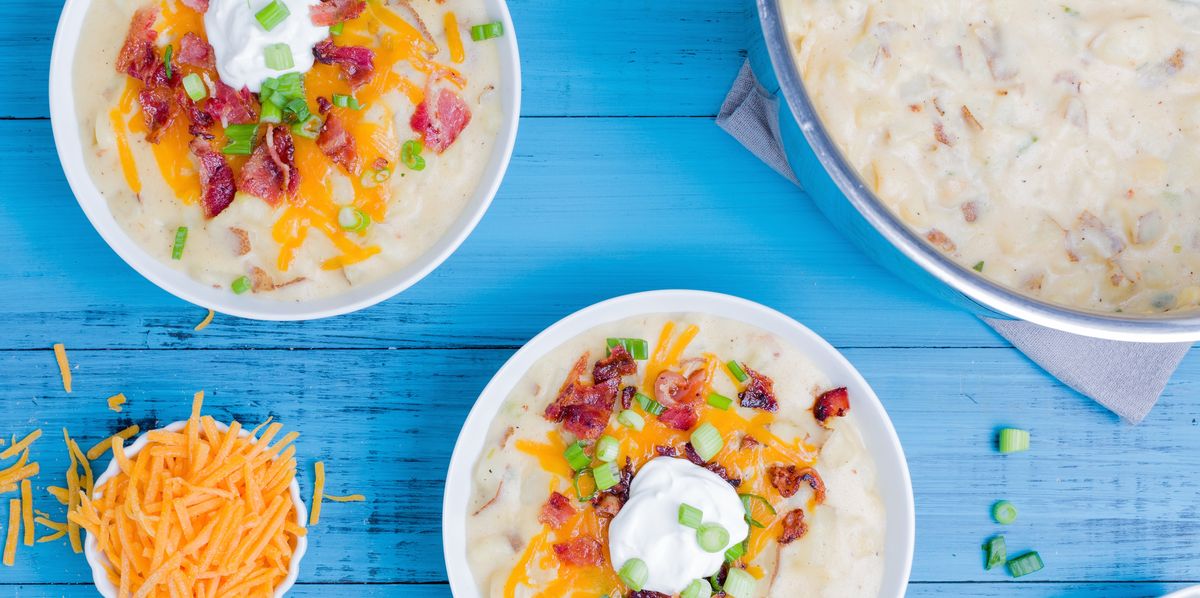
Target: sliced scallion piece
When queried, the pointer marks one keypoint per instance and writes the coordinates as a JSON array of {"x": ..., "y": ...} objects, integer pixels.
[
  {"x": 997, "y": 552},
  {"x": 278, "y": 57},
  {"x": 697, "y": 589},
  {"x": 167, "y": 60},
  {"x": 1013, "y": 440},
  {"x": 748, "y": 501},
  {"x": 1030, "y": 562},
  {"x": 736, "y": 369},
  {"x": 271, "y": 113},
  {"x": 336, "y": 28},
  {"x": 719, "y": 401},
  {"x": 308, "y": 129},
  {"x": 739, "y": 583},
  {"x": 575, "y": 456},
  {"x": 194, "y": 86},
  {"x": 707, "y": 441},
  {"x": 487, "y": 31},
  {"x": 605, "y": 475},
  {"x": 241, "y": 139},
  {"x": 272, "y": 14},
  {"x": 410, "y": 154},
  {"x": 978, "y": 267},
  {"x": 735, "y": 552},
  {"x": 649, "y": 405},
  {"x": 578, "y": 492},
  {"x": 290, "y": 86},
  {"x": 631, "y": 419},
  {"x": 690, "y": 516},
  {"x": 299, "y": 107},
  {"x": 240, "y": 285},
  {"x": 634, "y": 573},
  {"x": 712, "y": 537},
  {"x": 1004, "y": 512},
  {"x": 180, "y": 240},
  {"x": 345, "y": 101},
  {"x": 353, "y": 219},
  {"x": 607, "y": 448}
]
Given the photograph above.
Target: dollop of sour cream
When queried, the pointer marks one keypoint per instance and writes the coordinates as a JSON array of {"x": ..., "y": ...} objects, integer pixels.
[
  {"x": 648, "y": 527},
  {"x": 240, "y": 42}
]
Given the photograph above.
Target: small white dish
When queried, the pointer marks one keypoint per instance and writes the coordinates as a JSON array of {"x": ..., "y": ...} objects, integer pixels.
[
  {"x": 895, "y": 486},
  {"x": 97, "y": 561},
  {"x": 70, "y": 154},
  {"x": 1191, "y": 592}
]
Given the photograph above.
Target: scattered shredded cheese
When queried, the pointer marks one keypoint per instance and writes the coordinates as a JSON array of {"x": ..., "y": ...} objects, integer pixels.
[
  {"x": 60, "y": 529},
  {"x": 115, "y": 402},
  {"x": 27, "y": 510},
  {"x": 346, "y": 498},
  {"x": 14, "y": 525},
  {"x": 314, "y": 514},
  {"x": 102, "y": 447},
  {"x": 205, "y": 322},
  {"x": 64, "y": 367},
  {"x": 59, "y": 494},
  {"x": 72, "y": 496},
  {"x": 24, "y": 443}
]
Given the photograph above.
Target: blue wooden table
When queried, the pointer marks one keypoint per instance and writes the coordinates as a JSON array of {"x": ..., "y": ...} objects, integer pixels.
[{"x": 632, "y": 187}]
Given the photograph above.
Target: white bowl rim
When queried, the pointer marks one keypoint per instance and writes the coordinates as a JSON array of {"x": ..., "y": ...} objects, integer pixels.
[
  {"x": 65, "y": 127},
  {"x": 96, "y": 559},
  {"x": 1188, "y": 592},
  {"x": 870, "y": 415}
]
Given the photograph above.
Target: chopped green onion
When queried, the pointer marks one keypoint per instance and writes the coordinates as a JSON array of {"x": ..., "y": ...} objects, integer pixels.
[
  {"x": 272, "y": 14},
  {"x": 739, "y": 583},
  {"x": 736, "y": 370},
  {"x": 575, "y": 456},
  {"x": 271, "y": 113},
  {"x": 697, "y": 589},
  {"x": 605, "y": 475},
  {"x": 748, "y": 504},
  {"x": 345, "y": 101},
  {"x": 712, "y": 537},
  {"x": 354, "y": 220},
  {"x": 637, "y": 348},
  {"x": 690, "y": 516},
  {"x": 194, "y": 86},
  {"x": 277, "y": 98},
  {"x": 308, "y": 129},
  {"x": 382, "y": 175},
  {"x": 1004, "y": 512},
  {"x": 278, "y": 57},
  {"x": 268, "y": 85},
  {"x": 735, "y": 552},
  {"x": 336, "y": 28},
  {"x": 1013, "y": 440},
  {"x": 575, "y": 482},
  {"x": 180, "y": 241},
  {"x": 631, "y": 419},
  {"x": 997, "y": 552},
  {"x": 167, "y": 60},
  {"x": 410, "y": 154},
  {"x": 719, "y": 401},
  {"x": 649, "y": 405},
  {"x": 607, "y": 448},
  {"x": 978, "y": 267},
  {"x": 240, "y": 285},
  {"x": 241, "y": 139},
  {"x": 707, "y": 441},
  {"x": 1030, "y": 562},
  {"x": 299, "y": 107},
  {"x": 487, "y": 31},
  {"x": 634, "y": 573},
  {"x": 290, "y": 85}
]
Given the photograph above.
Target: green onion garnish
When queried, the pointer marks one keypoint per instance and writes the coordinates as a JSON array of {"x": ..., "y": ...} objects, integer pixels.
[
  {"x": 241, "y": 139},
  {"x": 997, "y": 552},
  {"x": 299, "y": 107},
  {"x": 690, "y": 516},
  {"x": 736, "y": 370},
  {"x": 697, "y": 589},
  {"x": 1004, "y": 512},
  {"x": 707, "y": 441},
  {"x": 605, "y": 475},
  {"x": 309, "y": 129},
  {"x": 194, "y": 86},
  {"x": 712, "y": 537},
  {"x": 575, "y": 456},
  {"x": 410, "y": 154},
  {"x": 719, "y": 401},
  {"x": 167, "y": 60},
  {"x": 607, "y": 448},
  {"x": 1025, "y": 564},
  {"x": 739, "y": 583},
  {"x": 748, "y": 504},
  {"x": 278, "y": 57},
  {"x": 487, "y": 31},
  {"x": 271, "y": 113},
  {"x": 649, "y": 405},
  {"x": 735, "y": 552},
  {"x": 978, "y": 267},
  {"x": 272, "y": 14},
  {"x": 631, "y": 419},
  {"x": 291, "y": 85},
  {"x": 1013, "y": 440},
  {"x": 180, "y": 241},
  {"x": 638, "y": 349},
  {"x": 268, "y": 85},
  {"x": 240, "y": 285},
  {"x": 336, "y": 28},
  {"x": 634, "y": 573},
  {"x": 575, "y": 482},
  {"x": 345, "y": 101},
  {"x": 353, "y": 219}
]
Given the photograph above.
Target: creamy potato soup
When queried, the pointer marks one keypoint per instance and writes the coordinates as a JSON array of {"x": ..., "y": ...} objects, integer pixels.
[
  {"x": 671, "y": 454},
  {"x": 1051, "y": 146},
  {"x": 292, "y": 148}
]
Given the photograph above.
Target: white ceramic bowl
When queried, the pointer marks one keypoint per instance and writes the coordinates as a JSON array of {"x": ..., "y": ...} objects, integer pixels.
[
  {"x": 1191, "y": 592},
  {"x": 96, "y": 560},
  {"x": 877, "y": 431},
  {"x": 178, "y": 283}
]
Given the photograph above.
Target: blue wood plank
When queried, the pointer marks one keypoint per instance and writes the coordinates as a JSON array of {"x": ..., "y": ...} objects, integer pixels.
[{"x": 618, "y": 58}]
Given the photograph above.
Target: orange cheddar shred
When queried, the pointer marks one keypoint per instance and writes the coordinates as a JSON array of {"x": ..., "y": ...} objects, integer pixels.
[
  {"x": 64, "y": 367},
  {"x": 115, "y": 402}
]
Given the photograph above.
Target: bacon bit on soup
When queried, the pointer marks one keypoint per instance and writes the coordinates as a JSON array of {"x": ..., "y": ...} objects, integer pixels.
[
  {"x": 556, "y": 511},
  {"x": 380, "y": 163},
  {"x": 332, "y": 12},
  {"x": 139, "y": 55},
  {"x": 607, "y": 505},
  {"x": 620, "y": 491},
  {"x": 665, "y": 451},
  {"x": 200, "y": 6},
  {"x": 627, "y": 395},
  {"x": 260, "y": 281},
  {"x": 671, "y": 388},
  {"x": 680, "y": 417},
  {"x": 582, "y": 408},
  {"x": 970, "y": 211},
  {"x": 940, "y": 240},
  {"x": 357, "y": 64},
  {"x": 794, "y": 527},
  {"x": 580, "y": 552},
  {"x": 759, "y": 392},
  {"x": 831, "y": 403},
  {"x": 243, "y": 240},
  {"x": 619, "y": 363},
  {"x": 156, "y": 111},
  {"x": 216, "y": 178},
  {"x": 231, "y": 106},
  {"x": 194, "y": 51},
  {"x": 201, "y": 120},
  {"x": 649, "y": 594},
  {"x": 690, "y": 453},
  {"x": 440, "y": 125},
  {"x": 337, "y": 143},
  {"x": 939, "y": 133},
  {"x": 270, "y": 173},
  {"x": 785, "y": 479},
  {"x": 748, "y": 442}
]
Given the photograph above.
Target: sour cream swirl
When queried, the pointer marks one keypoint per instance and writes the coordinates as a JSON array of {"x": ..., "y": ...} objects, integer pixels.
[{"x": 240, "y": 41}]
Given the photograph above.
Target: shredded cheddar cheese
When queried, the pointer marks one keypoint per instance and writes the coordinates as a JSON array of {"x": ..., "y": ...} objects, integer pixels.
[
  {"x": 21, "y": 445},
  {"x": 314, "y": 514},
  {"x": 346, "y": 498},
  {"x": 115, "y": 402},
  {"x": 205, "y": 322},
  {"x": 197, "y": 511},
  {"x": 64, "y": 367},
  {"x": 453, "y": 37},
  {"x": 27, "y": 510},
  {"x": 102, "y": 447},
  {"x": 14, "y": 526}
]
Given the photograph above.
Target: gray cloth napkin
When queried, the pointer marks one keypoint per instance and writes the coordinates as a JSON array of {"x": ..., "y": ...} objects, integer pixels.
[{"x": 1127, "y": 378}]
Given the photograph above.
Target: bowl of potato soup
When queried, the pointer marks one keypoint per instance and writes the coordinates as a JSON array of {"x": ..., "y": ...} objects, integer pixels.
[
  {"x": 678, "y": 443},
  {"x": 284, "y": 159},
  {"x": 1021, "y": 159}
]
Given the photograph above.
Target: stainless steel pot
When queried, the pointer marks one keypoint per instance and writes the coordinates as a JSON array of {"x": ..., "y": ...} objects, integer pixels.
[{"x": 832, "y": 183}]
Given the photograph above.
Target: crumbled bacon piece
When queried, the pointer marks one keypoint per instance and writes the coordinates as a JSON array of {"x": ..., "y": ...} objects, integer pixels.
[
  {"x": 556, "y": 511},
  {"x": 759, "y": 392},
  {"x": 583, "y": 408},
  {"x": 357, "y": 64},
  {"x": 232, "y": 106},
  {"x": 156, "y": 111},
  {"x": 690, "y": 453},
  {"x": 194, "y": 51},
  {"x": 607, "y": 505},
  {"x": 618, "y": 363},
  {"x": 671, "y": 388},
  {"x": 337, "y": 143},
  {"x": 200, "y": 6},
  {"x": 620, "y": 491},
  {"x": 627, "y": 395},
  {"x": 270, "y": 173},
  {"x": 680, "y": 417},
  {"x": 666, "y": 451},
  {"x": 200, "y": 119},
  {"x": 940, "y": 240},
  {"x": 380, "y": 163},
  {"x": 580, "y": 552},
  {"x": 216, "y": 178},
  {"x": 440, "y": 124},
  {"x": 794, "y": 527},
  {"x": 831, "y": 403},
  {"x": 647, "y": 594},
  {"x": 748, "y": 442},
  {"x": 332, "y": 12},
  {"x": 787, "y": 478},
  {"x": 139, "y": 56}
]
